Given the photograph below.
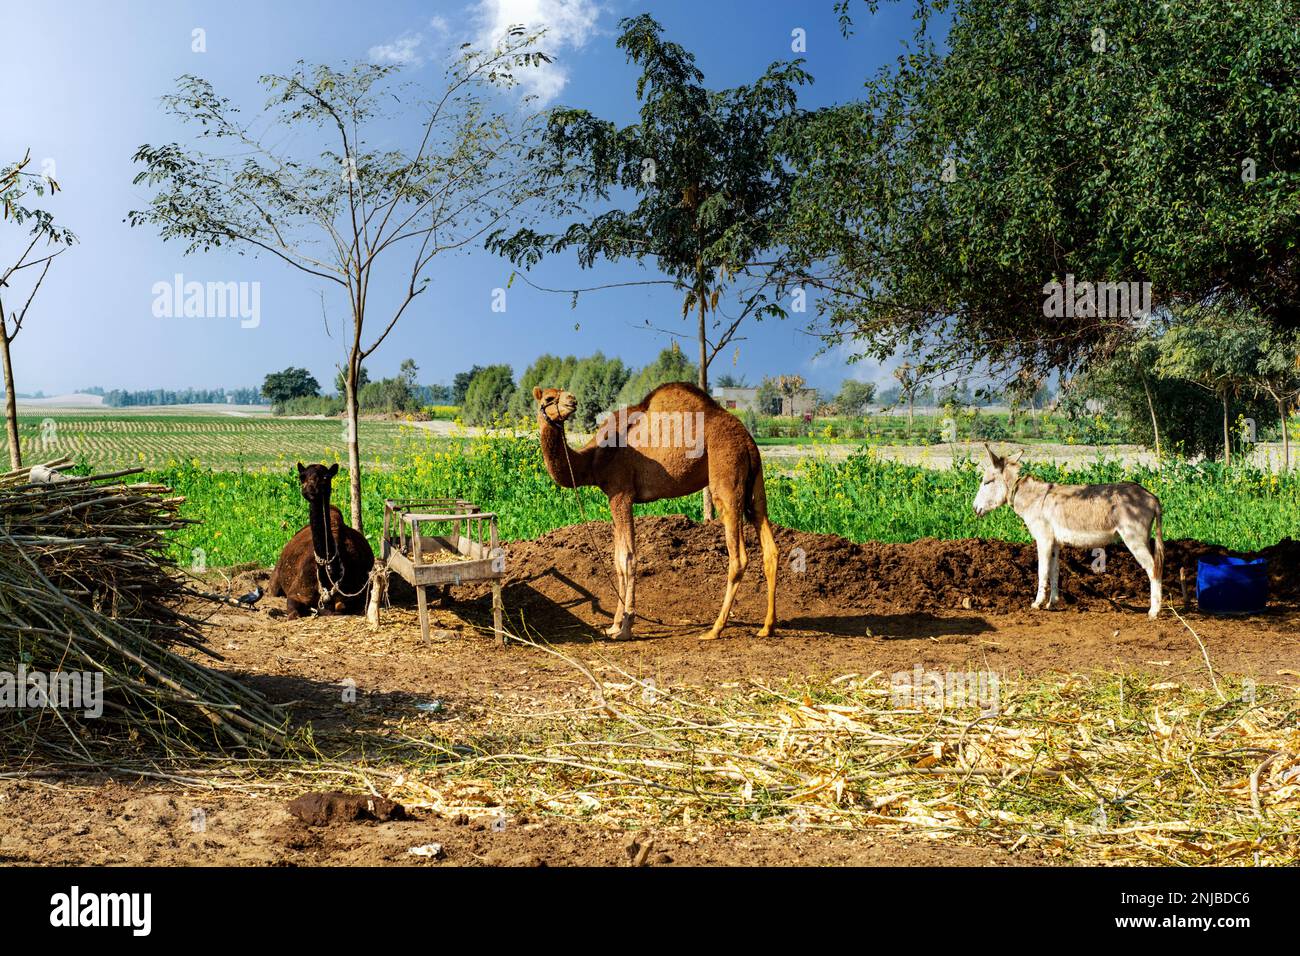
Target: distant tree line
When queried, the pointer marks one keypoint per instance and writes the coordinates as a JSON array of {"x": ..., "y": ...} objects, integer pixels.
[
  {"x": 122, "y": 398},
  {"x": 295, "y": 391}
]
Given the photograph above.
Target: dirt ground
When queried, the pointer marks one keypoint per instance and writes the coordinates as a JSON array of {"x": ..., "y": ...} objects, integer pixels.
[{"x": 843, "y": 608}]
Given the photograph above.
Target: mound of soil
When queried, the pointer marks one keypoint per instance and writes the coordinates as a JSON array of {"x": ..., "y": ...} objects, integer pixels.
[{"x": 688, "y": 560}]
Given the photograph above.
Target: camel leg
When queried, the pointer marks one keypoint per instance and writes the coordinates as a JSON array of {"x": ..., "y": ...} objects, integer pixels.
[
  {"x": 737, "y": 559},
  {"x": 770, "y": 556},
  {"x": 620, "y": 508}
]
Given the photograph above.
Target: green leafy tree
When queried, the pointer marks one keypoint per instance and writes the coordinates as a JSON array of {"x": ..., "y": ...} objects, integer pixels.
[
  {"x": 1278, "y": 378},
  {"x": 460, "y": 384},
  {"x": 1216, "y": 351},
  {"x": 670, "y": 366},
  {"x": 281, "y": 387},
  {"x": 1104, "y": 139},
  {"x": 341, "y": 380},
  {"x": 596, "y": 384},
  {"x": 547, "y": 371},
  {"x": 17, "y": 186},
  {"x": 348, "y": 176},
  {"x": 488, "y": 396},
  {"x": 854, "y": 396}
]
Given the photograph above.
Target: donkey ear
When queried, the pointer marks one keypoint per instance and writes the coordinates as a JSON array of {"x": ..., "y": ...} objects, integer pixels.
[
  {"x": 333, "y": 470},
  {"x": 537, "y": 393},
  {"x": 997, "y": 462},
  {"x": 301, "y": 470},
  {"x": 1015, "y": 459}
]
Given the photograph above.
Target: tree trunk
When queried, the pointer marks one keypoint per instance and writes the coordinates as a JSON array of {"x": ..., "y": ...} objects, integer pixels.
[
  {"x": 11, "y": 403},
  {"x": 1286, "y": 439},
  {"x": 707, "y": 503},
  {"x": 1227, "y": 434},
  {"x": 1155, "y": 425},
  {"x": 351, "y": 411}
]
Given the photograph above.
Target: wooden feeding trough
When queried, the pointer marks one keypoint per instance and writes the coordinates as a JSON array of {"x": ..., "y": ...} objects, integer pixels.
[{"x": 443, "y": 542}]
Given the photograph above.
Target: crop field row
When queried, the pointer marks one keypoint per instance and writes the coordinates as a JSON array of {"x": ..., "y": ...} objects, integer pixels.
[
  {"x": 106, "y": 441},
  {"x": 248, "y": 515}
]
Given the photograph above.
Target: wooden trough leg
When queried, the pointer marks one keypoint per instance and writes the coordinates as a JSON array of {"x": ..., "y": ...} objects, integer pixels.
[
  {"x": 496, "y": 612},
  {"x": 423, "y": 601}
]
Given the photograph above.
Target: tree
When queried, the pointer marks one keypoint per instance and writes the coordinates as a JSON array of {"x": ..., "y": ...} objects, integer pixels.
[
  {"x": 596, "y": 384},
  {"x": 727, "y": 380},
  {"x": 280, "y": 387},
  {"x": 711, "y": 188},
  {"x": 1213, "y": 349},
  {"x": 547, "y": 371},
  {"x": 460, "y": 384},
  {"x": 1100, "y": 139},
  {"x": 15, "y": 184},
  {"x": 341, "y": 380},
  {"x": 854, "y": 396},
  {"x": 670, "y": 366},
  {"x": 408, "y": 372},
  {"x": 768, "y": 398},
  {"x": 488, "y": 396},
  {"x": 317, "y": 180},
  {"x": 1278, "y": 377}
]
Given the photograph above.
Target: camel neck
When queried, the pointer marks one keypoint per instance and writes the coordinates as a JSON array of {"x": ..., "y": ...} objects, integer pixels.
[
  {"x": 569, "y": 467},
  {"x": 321, "y": 533}
]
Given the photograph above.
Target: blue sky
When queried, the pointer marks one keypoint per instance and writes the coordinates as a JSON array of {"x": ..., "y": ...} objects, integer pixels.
[{"x": 84, "y": 79}]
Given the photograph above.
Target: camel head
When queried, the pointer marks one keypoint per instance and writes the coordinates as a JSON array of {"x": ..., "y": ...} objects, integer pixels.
[
  {"x": 316, "y": 480},
  {"x": 555, "y": 405}
]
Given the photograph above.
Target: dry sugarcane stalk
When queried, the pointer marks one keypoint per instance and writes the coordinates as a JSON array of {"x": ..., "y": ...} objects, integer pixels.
[{"x": 85, "y": 585}]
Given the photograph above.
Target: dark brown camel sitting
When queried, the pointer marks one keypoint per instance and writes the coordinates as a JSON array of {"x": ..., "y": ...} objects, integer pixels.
[
  {"x": 675, "y": 442},
  {"x": 333, "y": 559}
]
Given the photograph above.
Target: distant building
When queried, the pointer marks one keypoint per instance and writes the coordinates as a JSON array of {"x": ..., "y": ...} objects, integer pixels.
[{"x": 803, "y": 403}]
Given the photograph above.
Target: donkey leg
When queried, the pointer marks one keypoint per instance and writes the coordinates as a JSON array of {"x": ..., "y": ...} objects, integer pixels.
[
  {"x": 1045, "y": 546},
  {"x": 1054, "y": 576},
  {"x": 1141, "y": 550}
]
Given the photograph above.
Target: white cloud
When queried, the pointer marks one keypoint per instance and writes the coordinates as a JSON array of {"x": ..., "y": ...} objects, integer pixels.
[
  {"x": 569, "y": 25},
  {"x": 405, "y": 51}
]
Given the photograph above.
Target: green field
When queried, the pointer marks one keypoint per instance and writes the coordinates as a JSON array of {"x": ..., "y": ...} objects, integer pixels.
[
  {"x": 248, "y": 515},
  {"x": 237, "y": 474}
]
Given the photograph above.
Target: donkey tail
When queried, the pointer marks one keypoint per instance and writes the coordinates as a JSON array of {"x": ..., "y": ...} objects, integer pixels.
[{"x": 1157, "y": 529}]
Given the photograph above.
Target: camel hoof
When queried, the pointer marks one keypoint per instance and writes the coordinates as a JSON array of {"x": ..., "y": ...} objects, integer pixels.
[
  {"x": 708, "y": 636},
  {"x": 764, "y": 632},
  {"x": 1153, "y": 613},
  {"x": 619, "y": 631}
]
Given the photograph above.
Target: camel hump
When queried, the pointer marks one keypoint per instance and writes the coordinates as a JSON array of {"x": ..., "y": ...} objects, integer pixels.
[{"x": 679, "y": 395}]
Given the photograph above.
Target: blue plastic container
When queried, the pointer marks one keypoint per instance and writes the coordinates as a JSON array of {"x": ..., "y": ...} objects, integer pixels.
[{"x": 1228, "y": 585}]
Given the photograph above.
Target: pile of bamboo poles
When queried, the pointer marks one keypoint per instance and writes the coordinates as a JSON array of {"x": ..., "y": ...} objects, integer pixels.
[{"x": 86, "y": 588}]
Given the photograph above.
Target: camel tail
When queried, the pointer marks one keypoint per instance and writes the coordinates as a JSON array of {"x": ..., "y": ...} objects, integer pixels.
[{"x": 755, "y": 490}]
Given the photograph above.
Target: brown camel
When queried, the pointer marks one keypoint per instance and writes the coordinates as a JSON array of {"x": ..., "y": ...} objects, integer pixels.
[
  {"x": 677, "y": 441},
  {"x": 333, "y": 559}
]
